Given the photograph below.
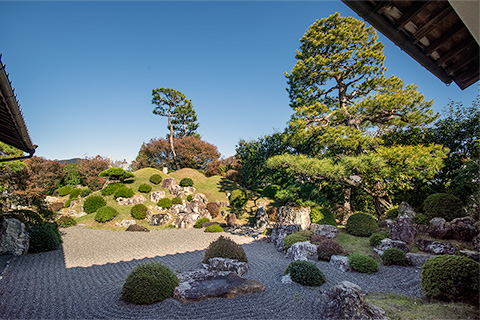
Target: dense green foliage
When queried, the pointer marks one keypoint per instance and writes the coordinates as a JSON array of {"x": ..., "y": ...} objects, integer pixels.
[
  {"x": 225, "y": 247},
  {"x": 189, "y": 198},
  {"x": 213, "y": 228},
  {"x": 199, "y": 222},
  {"x": 165, "y": 203},
  {"x": 93, "y": 203},
  {"x": 155, "y": 178},
  {"x": 361, "y": 224},
  {"x": 295, "y": 237},
  {"x": 124, "y": 192},
  {"x": 177, "y": 200},
  {"x": 238, "y": 198},
  {"x": 44, "y": 238},
  {"x": 116, "y": 174},
  {"x": 362, "y": 263},
  {"x": 322, "y": 215},
  {"x": 451, "y": 278},
  {"x": 327, "y": 248},
  {"x": 145, "y": 188},
  {"x": 139, "y": 211},
  {"x": 420, "y": 218},
  {"x": 305, "y": 273},
  {"x": 66, "y": 221},
  {"x": 105, "y": 214},
  {"x": 394, "y": 256},
  {"x": 111, "y": 188},
  {"x": 443, "y": 205},
  {"x": 392, "y": 213},
  {"x": 83, "y": 192},
  {"x": 63, "y": 191},
  {"x": 377, "y": 237},
  {"x": 186, "y": 182},
  {"x": 270, "y": 191},
  {"x": 149, "y": 283}
]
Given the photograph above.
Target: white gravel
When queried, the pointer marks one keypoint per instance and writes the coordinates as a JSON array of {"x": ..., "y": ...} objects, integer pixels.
[{"x": 83, "y": 279}]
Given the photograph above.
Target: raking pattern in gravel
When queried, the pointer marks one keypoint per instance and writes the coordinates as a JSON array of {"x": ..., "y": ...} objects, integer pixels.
[{"x": 40, "y": 286}]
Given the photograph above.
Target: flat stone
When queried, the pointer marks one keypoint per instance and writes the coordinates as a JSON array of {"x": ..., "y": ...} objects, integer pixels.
[
  {"x": 475, "y": 255},
  {"x": 302, "y": 251},
  {"x": 213, "y": 286},
  {"x": 137, "y": 227},
  {"x": 418, "y": 259},
  {"x": 341, "y": 262},
  {"x": 324, "y": 230},
  {"x": 389, "y": 243},
  {"x": 225, "y": 264},
  {"x": 435, "y": 247}
]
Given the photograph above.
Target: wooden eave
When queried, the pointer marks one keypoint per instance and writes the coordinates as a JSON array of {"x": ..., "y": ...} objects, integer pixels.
[{"x": 431, "y": 32}]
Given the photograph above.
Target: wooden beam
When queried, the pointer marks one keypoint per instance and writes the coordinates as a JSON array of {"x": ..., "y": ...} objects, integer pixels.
[
  {"x": 457, "y": 49},
  {"x": 410, "y": 13},
  {"x": 447, "y": 35},
  {"x": 461, "y": 64},
  {"x": 431, "y": 24}
]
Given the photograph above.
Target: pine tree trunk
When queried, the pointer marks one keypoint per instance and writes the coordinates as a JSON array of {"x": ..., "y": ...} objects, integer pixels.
[{"x": 171, "y": 141}]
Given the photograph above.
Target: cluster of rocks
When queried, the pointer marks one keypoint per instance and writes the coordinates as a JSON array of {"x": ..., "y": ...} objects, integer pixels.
[{"x": 14, "y": 238}]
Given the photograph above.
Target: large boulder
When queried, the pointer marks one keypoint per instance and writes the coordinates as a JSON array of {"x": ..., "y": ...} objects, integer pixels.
[
  {"x": 324, "y": 230},
  {"x": 231, "y": 220},
  {"x": 189, "y": 190},
  {"x": 177, "y": 191},
  {"x": 225, "y": 264},
  {"x": 201, "y": 198},
  {"x": 125, "y": 223},
  {"x": 155, "y": 196},
  {"x": 289, "y": 220},
  {"x": 137, "y": 228},
  {"x": 341, "y": 262},
  {"x": 476, "y": 242},
  {"x": 457, "y": 229},
  {"x": 418, "y": 259},
  {"x": 14, "y": 238},
  {"x": 160, "y": 219},
  {"x": 136, "y": 199},
  {"x": 405, "y": 210},
  {"x": 389, "y": 243},
  {"x": 278, "y": 234},
  {"x": 346, "y": 300},
  {"x": 435, "y": 247},
  {"x": 403, "y": 229},
  {"x": 168, "y": 183},
  {"x": 302, "y": 251},
  {"x": 261, "y": 217}
]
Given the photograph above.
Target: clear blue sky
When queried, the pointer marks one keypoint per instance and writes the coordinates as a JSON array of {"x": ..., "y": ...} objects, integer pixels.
[{"x": 84, "y": 71}]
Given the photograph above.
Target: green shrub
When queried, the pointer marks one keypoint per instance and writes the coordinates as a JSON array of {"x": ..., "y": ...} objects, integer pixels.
[
  {"x": 82, "y": 192},
  {"x": 63, "y": 191},
  {"x": 105, "y": 214},
  {"x": 155, "y": 179},
  {"x": 420, "y": 219},
  {"x": 238, "y": 198},
  {"x": 139, "y": 211},
  {"x": 165, "y": 203},
  {"x": 443, "y": 205},
  {"x": 213, "y": 208},
  {"x": 145, "y": 188},
  {"x": 392, "y": 213},
  {"x": 93, "y": 203},
  {"x": 149, "y": 283},
  {"x": 66, "y": 221},
  {"x": 189, "y": 198},
  {"x": 213, "y": 228},
  {"x": 44, "y": 238},
  {"x": 170, "y": 226},
  {"x": 377, "y": 237},
  {"x": 451, "y": 278},
  {"x": 177, "y": 200},
  {"x": 270, "y": 191},
  {"x": 75, "y": 193},
  {"x": 116, "y": 173},
  {"x": 111, "y": 188},
  {"x": 322, "y": 215},
  {"x": 361, "y": 224},
  {"x": 69, "y": 202},
  {"x": 198, "y": 224},
  {"x": 186, "y": 182},
  {"x": 305, "y": 273},
  {"x": 85, "y": 192},
  {"x": 28, "y": 217},
  {"x": 295, "y": 237},
  {"x": 225, "y": 247},
  {"x": 394, "y": 256},
  {"x": 124, "y": 192},
  {"x": 327, "y": 248},
  {"x": 362, "y": 263}
]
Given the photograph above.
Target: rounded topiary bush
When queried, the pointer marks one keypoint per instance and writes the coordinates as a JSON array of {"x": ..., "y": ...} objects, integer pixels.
[
  {"x": 377, "y": 237},
  {"x": 238, "y": 198},
  {"x": 44, "y": 238},
  {"x": 451, "y": 278},
  {"x": 149, "y": 283},
  {"x": 214, "y": 209},
  {"x": 322, "y": 215},
  {"x": 443, "y": 205},
  {"x": 155, "y": 178},
  {"x": 105, "y": 214},
  {"x": 93, "y": 203},
  {"x": 420, "y": 218},
  {"x": 270, "y": 191},
  {"x": 327, "y": 248},
  {"x": 295, "y": 237},
  {"x": 213, "y": 228},
  {"x": 198, "y": 224},
  {"x": 63, "y": 191},
  {"x": 394, "y": 256},
  {"x": 145, "y": 188},
  {"x": 84, "y": 192},
  {"x": 362, "y": 263},
  {"x": 124, "y": 192},
  {"x": 225, "y": 247},
  {"x": 305, "y": 273},
  {"x": 177, "y": 200},
  {"x": 186, "y": 182},
  {"x": 361, "y": 224},
  {"x": 139, "y": 211},
  {"x": 66, "y": 221},
  {"x": 111, "y": 188},
  {"x": 165, "y": 203}
]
